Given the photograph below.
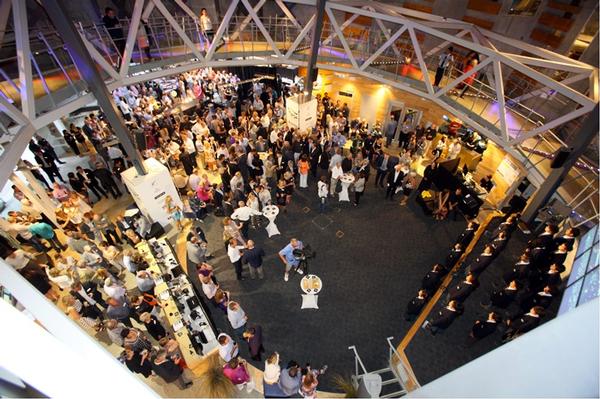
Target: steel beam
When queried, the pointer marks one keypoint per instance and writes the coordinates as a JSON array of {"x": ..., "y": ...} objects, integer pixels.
[
  {"x": 314, "y": 47},
  {"x": 82, "y": 59},
  {"x": 21, "y": 27},
  {"x": 134, "y": 26},
  {"x": 582, "y": 139}
]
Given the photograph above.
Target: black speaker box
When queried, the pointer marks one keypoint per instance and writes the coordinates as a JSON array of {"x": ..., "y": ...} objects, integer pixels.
[{"x": 560, "y": 156}]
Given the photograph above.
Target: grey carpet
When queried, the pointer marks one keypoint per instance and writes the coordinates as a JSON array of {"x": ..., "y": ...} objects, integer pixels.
[{"x": 369, "y": 274}]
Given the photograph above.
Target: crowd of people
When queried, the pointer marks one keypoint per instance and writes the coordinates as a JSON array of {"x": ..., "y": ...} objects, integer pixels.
[
  {"x": 231, "y": 153},
  {"x": 527, "y": 290}
]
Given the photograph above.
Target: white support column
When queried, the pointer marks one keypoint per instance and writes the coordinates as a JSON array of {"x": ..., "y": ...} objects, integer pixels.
[
  {"x": 261, "y": 27},
  {"x": 346, "y": 23},
  {"x": 187, "y": 10},
  {"x": 288, "y": 13},
  {"x": 501, "y": 102},
  {"x": 383, "y": 47},
  {"x": 386, "y": 34},
  {"x": 552, "y": 124},
  {"x": 246, "y": 20},
  {"x": 147, "y": 11},
  {"x": 300, "y": 37},
  {"x": 340, "y": 35},
  {"x": 21, "y": 27},
  {"x": 163, "y": 10},
  {"x": 134, "y": 25},
  {"x": 13, "y": 112},
  {"x": 444, "y": 44},
  {"x": 221, "y": 29},
  {"x": 70, "y": 360},
  {"x": 567, "y": 81},
  {"x": 422, "y": 64},
  {"x": 99, "y": 58}
]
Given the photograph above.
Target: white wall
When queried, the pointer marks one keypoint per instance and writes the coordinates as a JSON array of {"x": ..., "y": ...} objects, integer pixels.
[{"x": 557, "y": 359}]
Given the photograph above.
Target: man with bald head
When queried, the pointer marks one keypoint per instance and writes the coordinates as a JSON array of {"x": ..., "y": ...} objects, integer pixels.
[{"x": 253, "y": 256}]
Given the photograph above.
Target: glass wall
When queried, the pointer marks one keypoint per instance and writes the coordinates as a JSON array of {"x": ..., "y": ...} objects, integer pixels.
[{"x": 584, "y": 280}]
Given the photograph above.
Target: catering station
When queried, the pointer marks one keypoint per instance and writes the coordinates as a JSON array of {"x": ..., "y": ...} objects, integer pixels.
[{"x": 183, "y": 310}]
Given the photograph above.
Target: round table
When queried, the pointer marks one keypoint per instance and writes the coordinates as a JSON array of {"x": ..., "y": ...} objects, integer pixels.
[
  {"x": 311, "y": 284},
  {"x": 271, "y": 212},
  {"x": 346, "y": 179}
]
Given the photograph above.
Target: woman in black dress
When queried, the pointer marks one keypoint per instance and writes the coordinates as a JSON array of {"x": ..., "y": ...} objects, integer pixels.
[{"x": 155, "y": 329}]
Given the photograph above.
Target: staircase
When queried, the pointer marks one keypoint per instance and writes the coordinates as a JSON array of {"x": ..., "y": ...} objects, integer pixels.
[{"x": 389, "y": 382}]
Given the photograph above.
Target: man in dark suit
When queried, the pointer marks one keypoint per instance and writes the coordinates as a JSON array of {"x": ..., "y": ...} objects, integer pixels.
[
  {"x": 482, "y": 329},
  {"x": 466, "y": 236},
  {"x": 454, "y": 255},
  {"x": 394, "y": 181},
  {"x": 88, "y": 294},
  {"x": 520, "y": 270},
  {"x": 522, "y": 324},
  {"x": 105, "y": 177},
  {"x": 86, "y": 176},
  {"x": 444, "y": 317},
  {"x": 433, "y": 278},
  {"x": 47, "y": 164},
  {"x": 382, "y": 165},
  {"x": 567, "y": 238},
  {"x": 414, "y": 307},
  {"x": 482, "y": 261},
  {"x": 461, "y": 291},
  {"x": 253, "y": 335},
  {"x": 504, "y": 297}
]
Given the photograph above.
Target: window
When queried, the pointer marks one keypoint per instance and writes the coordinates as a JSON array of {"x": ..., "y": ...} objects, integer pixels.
[
  {"x": 584, "y": 281},
  {"x": 524, "y": 7}
]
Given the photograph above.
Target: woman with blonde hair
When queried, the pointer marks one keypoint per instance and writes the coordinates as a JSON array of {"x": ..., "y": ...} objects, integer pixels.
[
  {"x": 232, "y": 230},
  {"x": 272, "y": 369}
]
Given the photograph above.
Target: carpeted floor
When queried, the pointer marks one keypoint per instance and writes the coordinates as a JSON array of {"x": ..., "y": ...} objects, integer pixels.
[{"x": 370, "y": 269}]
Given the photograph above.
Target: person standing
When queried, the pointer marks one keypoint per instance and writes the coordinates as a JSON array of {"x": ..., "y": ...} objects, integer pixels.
[
  {"x": 390, "y": 130},
  {"x": 394, "y": 182},
  {"x": 303, "y": 168},
  {"x": 206, "y": 28},
  {"x": 359, "y": 187},
  {"x": 237, "y": 318},
  {"x": 234, "y": 251},
  {"x": 113, "y": 26},
  {"x": 45, "y": 231},
  {"x": 289, "y": 260},
  {"x": 236, "y": 372},
  {"x": 169, "y": 371},
  {"x": 243, "y": 214},
  {"x": 228, "y": 348},
  {"x": 105, "y": 177},
  {"x": 444, "y": 62},
  {"x": 253, "y": 335},
  {"x": 336, "y": 173},
  {"x": 86, "y": 176},
  {"x": 254, "y": 257},
  {"x": 322, "y": 192},
  {"x": 382, "y": 164},
  {"x": 48, "y": 165}
]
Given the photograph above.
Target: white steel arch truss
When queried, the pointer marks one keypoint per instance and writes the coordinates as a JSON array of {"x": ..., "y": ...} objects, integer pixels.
[{"x": 408, "y": 37}]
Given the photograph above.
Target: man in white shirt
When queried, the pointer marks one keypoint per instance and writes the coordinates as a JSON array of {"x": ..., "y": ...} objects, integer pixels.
[
  {"x": 336, "y": 173},
  {"x": 237, "y": 318},
  {"x": 194, "y": 181},
  {"x": 113, "y": 289},
  {"x": 322, "y": 191},
  {"x": 228, "y": 348},
  {"x": 18, "y": 259},
  {"x": 445, "y": 60},
  {"x": 243, "y": 214},
  {"x": 234, "y": 252}
]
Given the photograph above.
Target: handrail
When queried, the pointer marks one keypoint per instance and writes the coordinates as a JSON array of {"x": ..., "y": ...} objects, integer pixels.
[{"x": 358, "y": 361}]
